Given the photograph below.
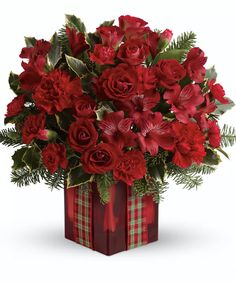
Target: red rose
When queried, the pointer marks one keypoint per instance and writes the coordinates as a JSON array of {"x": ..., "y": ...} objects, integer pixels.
[
  {"x": 77, "y": 41},
  {"x": 57, "y": 91},
  {"x": 111, "y": 36},
  {"x": 152, "y": 42},
  {"x": 169, "y": 72},
  {"x": 99, "y": 159},
  {"x": 85, "y": 107},
  {"x": 34, "y": 128},
  {"x": 213, "y": 133},
  {"x": 102, "y": 54},
  {"x": 119, "y": 83},
  {"x": 41, "y": 48},
  {"x": 15, "y": 106},
  {"x": 82, "y": 134},
  {"x": 130, "y": 167},
  {"x": 189, "y": 144},
  {"x": 185, "y": 101},
  {"x": 133, "y": 52},
  {"x": 194, "y": 64},
  {"x": 53, "y": 156},
  {"x": 147, "y": 79},
  {"x": 217, "y": 92}
]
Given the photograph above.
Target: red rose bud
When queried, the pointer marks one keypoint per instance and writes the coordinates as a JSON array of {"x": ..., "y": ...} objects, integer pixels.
[
  {"x": 165, "y": 38},
  {"x": 47, "y": 135}
]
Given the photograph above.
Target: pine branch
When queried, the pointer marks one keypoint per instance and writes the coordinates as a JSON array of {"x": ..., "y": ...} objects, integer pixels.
[
  {"x": 63, "y": 39},
  {"x": 186, "y": 40},
  {"x": 104, "y": 182},
  {"x": 10, "y": 137},
  {"x": 188, "y": 177},
  {"x": 24, "y": 176},
  {"x": 204, "y": 169},
  {"x": 228, "y": 136},
  {"x": 54, "y": 181}
]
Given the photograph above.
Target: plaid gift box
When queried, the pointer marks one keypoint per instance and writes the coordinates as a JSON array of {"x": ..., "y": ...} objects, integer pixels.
[{"x": 126, "y": 222}]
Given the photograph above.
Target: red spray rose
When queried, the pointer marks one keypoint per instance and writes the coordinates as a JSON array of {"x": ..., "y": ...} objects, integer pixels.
[
  {"x": 57, "y": 91},
  {"x": 53, "y": 156},
  {"x": 185, "y": 101},
  {"x": 165, "y": 38},
  {"x": 169, "y": 72},
  {"x": 34, "y": 128},
  {"x": 154, "y": 133},
  {"x": 82, "y": 134},
  {"x": 15, "y": 106},
  {"x": 152, "y": 41},
  {"x": 77, "y": 41},
  {"x": 189, "y": 144},
  {"x": 119, "y": 83},
  {"x": 102, "y": 54},
  {"x": 116, "y": 129},
  {"x": 111, "y": 36},
  {"x": 213, "y": 133},
  {"x": 84, "y": 107},
  {"x": 100, "y": 158},
  {"x": 217, "y": 92},
  {"x": 194, "y": 64},
  {"x": 130, "y": 167},
  {"x": 41, "y": 48},
  {"x": 133, "y": 52}
]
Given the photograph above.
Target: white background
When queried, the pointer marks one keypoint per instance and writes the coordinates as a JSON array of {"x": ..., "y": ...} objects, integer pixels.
[{"x": 197, "y": 228}]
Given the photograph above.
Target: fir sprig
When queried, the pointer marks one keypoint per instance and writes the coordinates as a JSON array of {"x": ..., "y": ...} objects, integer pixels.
[
  {"x": 104, "y": 182},
  {"x": 228, "y": 136},
  {"x": 10, "y": 137},
  {"x": 186, "y": 40}
]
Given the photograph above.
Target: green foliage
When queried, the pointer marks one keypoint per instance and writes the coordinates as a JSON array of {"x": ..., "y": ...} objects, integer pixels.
[
  {"x": 74, "y": 22},
  {"x": 211, "y": 73},
  {"x": 55, "y": 52},
  {"x": 104, "y": 182},
  {"x": 186, "y": 40},
  {"x": 14, "y": 83},
  {"x": 64, "y": 41},
  {"x": 188, "y": 177},
  {"x": 77, "y": 66},
  {"x": 204, "y": 169},
  {"x": 150, "y": 186},
  {"x": 30, "y": 41},
  {"x": 31, "y": 157},
  {"x": 107, "y": 23},
  {"x": 24, "y": 176},
  {"x": 228, "y": 136},
  {"x": 222, "y": 108},
  {"x": 17, "y": 158},
  {"x": 77, "y": 177},
  {"x": 177, "y": 54},
  {"x": 10, "y": 137},
  {"x": 54, "y": 181}
]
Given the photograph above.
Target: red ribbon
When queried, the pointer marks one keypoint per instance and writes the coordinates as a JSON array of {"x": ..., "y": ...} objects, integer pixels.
[{"x": 110, "y": 220}]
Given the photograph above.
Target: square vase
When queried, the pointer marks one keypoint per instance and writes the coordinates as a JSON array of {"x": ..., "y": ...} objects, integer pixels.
[{"x": 125, "y": 222}]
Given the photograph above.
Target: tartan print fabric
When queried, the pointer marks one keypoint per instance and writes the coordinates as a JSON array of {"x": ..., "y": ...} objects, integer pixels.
[
  {"x": 83, "y": 217},
  {"x": 137, "y": 228}
]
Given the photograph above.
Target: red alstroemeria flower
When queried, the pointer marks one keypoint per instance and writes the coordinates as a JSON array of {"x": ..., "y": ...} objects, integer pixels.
[
  {"x": 111, "y": 36},
  {"x": 217, "y": 92},
  {"x": 116, "y": 129},
  {"x": 213, "y": 133},
  {"x": 185, "y": 101},
  {"x": 77, "y": 41},
  {"x": 154, "y": 133},
  {"x": 41, "y": 48}
]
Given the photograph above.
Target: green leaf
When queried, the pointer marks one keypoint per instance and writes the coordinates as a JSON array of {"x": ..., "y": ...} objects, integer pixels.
[
  {"x": 158, "y": 172},
  {"x": 104, "y": 182},
  {"x": 32, "y": 158},
  {"x": 74, "y": 22},
  {"x": 177, "y": 54},
  {"x": 211, "y": 158},
  {"x": 92, "y": 39},
  {"x": 222, "y": 108},
  {"x": 223, "y": 152},
  {"x": 30, "y": 41},
  {"x": 211, "y": 73},
  {"x": 107, "y": 23},
  {"x": 55, "y": 52},
  {"x": 14, "y": 83},
  {"x": 77, "y": 177},
  {"x": 77, "y": 66},
  {"x": 18, "y": 157}
]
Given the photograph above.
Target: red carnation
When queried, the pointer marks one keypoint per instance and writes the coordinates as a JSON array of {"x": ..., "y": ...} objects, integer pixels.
[
  {"x": 213, "y": 133},
  {"x": 57, "y": 91},
  {"x": 185, "y": 101},
  {"x": 85, "y": 107},
  {"x": 82, "y": 134},
  {"x": 154, "y": 133},
  {"x": 189, "y": 144},
  {"x": 41, "y": 48},
  {"x": 130, "y": 167},
  {"x": 194, "y": 64},
  {"x": 116, "y": 129},
  {"x": 218, "y": 92},
  {"x": 102, "y": 54},
  {"x": 111, "y": 36},
  {"x": 53, "y": 156},
  {"x": 77, "y": 41},
  {"x": 99, "y": 159},
  {"x": 133, "y": 52},
  {"x": 119, "y": 83},
  {"x": 169, "y": 72},
  {"x": 15, "y": 106},
  {"x": 34, "y": 128}
]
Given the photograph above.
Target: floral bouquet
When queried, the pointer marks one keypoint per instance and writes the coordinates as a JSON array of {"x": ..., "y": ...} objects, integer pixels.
[{"x": 121, "y": 107}]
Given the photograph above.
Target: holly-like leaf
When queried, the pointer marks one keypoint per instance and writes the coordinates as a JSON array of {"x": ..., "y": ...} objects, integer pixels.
[
  {"x": 74, "y": 22},
  {"x": 55, "y": 52},
  {"x": 77, "y": 177},
  {"x": 14, "y": 83},
  {"x": 92, "y": 39},
  {"x": 177, "y": 54},
  {"x": 211, "y": 73},
  {"x": 107, "y": 23},
  {"x": 18, "y": 158},
  {"x": 32, "y": 158},
  {"x": 77, "y": 66},
  {"x": 222, "y": 108},
  {"x": 30, "y": 41}
]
